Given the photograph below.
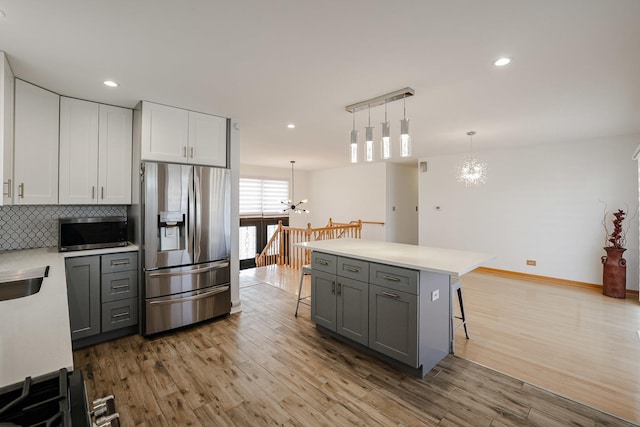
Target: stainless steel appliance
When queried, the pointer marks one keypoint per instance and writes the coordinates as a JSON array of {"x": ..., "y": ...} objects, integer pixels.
[
  {"x": 55, "y": 399},
  {"x": 77, "y": 234},
  {"x": 185, "y": 230}
]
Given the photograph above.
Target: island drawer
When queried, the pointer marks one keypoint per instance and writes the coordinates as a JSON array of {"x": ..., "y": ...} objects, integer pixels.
[
  {"x": 324, "y": 262},
  {"x": 353, "y": 269},
  {"x": 398, "y": 278},
  {"x": 123, "y": 261}
]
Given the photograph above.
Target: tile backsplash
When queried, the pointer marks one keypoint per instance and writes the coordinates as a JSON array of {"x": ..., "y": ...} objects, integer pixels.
[{"x": 25, "y": 227}]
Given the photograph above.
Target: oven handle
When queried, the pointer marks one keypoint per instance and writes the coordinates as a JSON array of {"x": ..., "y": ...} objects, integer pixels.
[
  {"x": 218, "y": 290},
  {"x": 184, "y": 273}
]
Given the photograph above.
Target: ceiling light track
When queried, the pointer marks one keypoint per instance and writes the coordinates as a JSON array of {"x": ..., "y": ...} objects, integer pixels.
[{"x": 382, "y": 99}]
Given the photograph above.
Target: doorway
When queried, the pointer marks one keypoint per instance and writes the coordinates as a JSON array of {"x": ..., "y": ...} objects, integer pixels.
[{"x": 254, "y": 235}]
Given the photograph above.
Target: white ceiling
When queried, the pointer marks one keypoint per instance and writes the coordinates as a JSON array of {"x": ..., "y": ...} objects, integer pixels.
[{"x": 575, "y": 72}]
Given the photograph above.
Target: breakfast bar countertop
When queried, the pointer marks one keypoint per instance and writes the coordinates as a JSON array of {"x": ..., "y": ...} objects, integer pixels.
[
  {"x": 438, "y": 260},
  {"x": 35, "y": 336}
]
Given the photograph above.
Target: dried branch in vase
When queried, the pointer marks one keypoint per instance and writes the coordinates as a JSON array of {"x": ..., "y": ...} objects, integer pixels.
[{"x": 617, "y": 236}]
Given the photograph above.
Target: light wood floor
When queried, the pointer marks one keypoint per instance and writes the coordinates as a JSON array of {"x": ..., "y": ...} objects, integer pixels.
[
  {"x": 571, "y": 340},
  {"x": 265, "y": 367}
]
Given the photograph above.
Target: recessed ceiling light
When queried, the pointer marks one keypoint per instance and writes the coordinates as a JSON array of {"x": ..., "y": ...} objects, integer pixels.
[
  {"x": 501, "y": 62},
  {"x": 110, "y": 83},
  {"x": 291, "y": 126}
]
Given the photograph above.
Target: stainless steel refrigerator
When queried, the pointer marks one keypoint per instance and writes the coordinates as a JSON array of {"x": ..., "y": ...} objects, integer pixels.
[{"x": 185, "y": 229}]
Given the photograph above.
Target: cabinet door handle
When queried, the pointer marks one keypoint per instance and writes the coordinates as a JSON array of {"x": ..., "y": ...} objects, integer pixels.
[
  {"x": 391, "y": 278},
  {"x": 191, "y": 151},
  {"x": 352, "y": 269},
  {"x": 8, "y": 184},
  {"x": 102, "y": 193},
  {"x": 120, "y": 315},
  {"x": 333, "y": 287},
  {"x": 390, "y": 295},
  {"x": 339, "y": 289},
  {"x": 322, "y": 262},
  {"x": 21, "y": 190},
  {"x": 184, "y": 151},
  {"x": 93, "y": 192}
]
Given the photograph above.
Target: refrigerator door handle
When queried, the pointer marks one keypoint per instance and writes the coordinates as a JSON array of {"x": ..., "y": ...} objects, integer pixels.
[
  {"x": 188, "y": 272},
  {"x": 198, "y": 212},
  {"x": 192, "y": 206},
  {"x": 217, "y": 290}
]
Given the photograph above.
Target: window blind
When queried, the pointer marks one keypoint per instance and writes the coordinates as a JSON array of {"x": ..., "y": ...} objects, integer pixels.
[{"x": 262, "y": 196}]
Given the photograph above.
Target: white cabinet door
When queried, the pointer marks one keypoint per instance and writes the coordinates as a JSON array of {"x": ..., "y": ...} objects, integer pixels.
[
  {"x": 114, "y": 169},
  {"x": 37, "y": 115},
  {"x": 207, "y": 139},
  {"x": 6, "y": 130},
  {"x": 78, "y": 152},
  {"x": 165, "y": 132}
]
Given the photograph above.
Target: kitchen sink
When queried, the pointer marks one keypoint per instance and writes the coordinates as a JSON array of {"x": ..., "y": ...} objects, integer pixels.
[{"x": 21, "y": 283}]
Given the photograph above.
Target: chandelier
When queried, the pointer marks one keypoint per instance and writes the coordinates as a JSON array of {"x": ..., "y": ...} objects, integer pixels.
[
  {"x": 472, "y": 171},
  {"x": 291, "y": 206},
  {"x": 385, "y": 145}
]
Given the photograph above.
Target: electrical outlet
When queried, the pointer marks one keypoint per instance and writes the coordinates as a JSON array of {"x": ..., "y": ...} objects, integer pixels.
[
  {"x": 531, "y": 262},
  {"x": 435, "y": 294}
]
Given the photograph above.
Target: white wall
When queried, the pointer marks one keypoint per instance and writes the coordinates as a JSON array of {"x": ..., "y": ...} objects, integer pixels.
[
  {"x": 539, "y": 203},
  {"x": 402, "y": 202},
  {"x": 351, "y": 193}
]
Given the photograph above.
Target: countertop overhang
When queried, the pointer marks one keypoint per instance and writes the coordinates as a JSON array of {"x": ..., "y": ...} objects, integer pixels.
[
  {"x": 35, "y": 336},
  {"x": 438, "y": 260}
]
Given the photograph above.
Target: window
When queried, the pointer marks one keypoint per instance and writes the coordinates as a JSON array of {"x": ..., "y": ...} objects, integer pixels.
[{"x": 262, "y": 196}]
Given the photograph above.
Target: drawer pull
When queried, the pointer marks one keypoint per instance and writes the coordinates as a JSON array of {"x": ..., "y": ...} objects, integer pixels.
[
  {"x": 120, "y": 262},
  {"x": 390, "y": 295},
  {"x": 114, "y": 316},
  {"x": 322, "y": 262},
  {"x": 352, "y": 269},
  {"x": 119, "y": 286},
  {"x": 391, "y": 278}
]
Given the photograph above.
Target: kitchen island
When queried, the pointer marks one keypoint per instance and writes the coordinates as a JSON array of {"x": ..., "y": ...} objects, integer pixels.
[{"x": 388, "y": 299}]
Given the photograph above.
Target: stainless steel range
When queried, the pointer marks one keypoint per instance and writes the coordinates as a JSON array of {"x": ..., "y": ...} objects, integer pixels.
[
  {"x": 55, "y": 399},
  {"x": 184, "y": 228}
]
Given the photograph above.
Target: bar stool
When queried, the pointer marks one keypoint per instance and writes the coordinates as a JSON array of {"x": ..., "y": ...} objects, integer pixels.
[
  {"x": 306, "y": 270},
  {"x": 455, "y": 285}
]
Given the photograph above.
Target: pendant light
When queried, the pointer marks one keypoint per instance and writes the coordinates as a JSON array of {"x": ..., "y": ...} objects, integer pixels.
[
  {"x": 293, "y": 207},
  {"x": 354, "y": 141},
  {"x": 405, "y": 138},
  {"x": 385, "y": 144},
  {"x": 368, "y": 143},
  {"x": 472, "y": 171}
]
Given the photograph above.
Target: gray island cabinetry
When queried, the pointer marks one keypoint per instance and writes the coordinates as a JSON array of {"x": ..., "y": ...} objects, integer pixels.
[{"x": 388, "y": 299}]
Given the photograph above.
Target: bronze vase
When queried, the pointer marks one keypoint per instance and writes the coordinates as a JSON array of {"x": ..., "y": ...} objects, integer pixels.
[{"x": 614, "y": 276}]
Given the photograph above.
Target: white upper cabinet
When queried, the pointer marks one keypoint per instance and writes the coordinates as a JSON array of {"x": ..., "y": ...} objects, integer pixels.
[
  {"x": 6, "y": 130},
  {"x": 36, "y": 145},
  {"x": 114, "y": 155},
  {"x": 175, "y": 135},
  {"x": 207, "y": 139},
  {"x": 95, "y": 153}
]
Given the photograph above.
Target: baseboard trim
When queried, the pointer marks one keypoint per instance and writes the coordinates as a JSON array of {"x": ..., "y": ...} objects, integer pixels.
[{"x": 631, "y": 293}]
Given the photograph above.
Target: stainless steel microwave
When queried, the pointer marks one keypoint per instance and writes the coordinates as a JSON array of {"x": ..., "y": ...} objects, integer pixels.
[{"x": 76, "y": 234}]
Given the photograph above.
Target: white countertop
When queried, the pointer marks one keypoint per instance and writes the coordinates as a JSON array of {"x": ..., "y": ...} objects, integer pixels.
[
  {"x": 35, "y": 336},
  {"x": 448, "y": 261}
]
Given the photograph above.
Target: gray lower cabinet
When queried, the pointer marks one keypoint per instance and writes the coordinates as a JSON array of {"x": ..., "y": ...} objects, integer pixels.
[
  {"x": 102, "y": 291},
  {"x": 393, "y": 324},
  {"x": 397, "y": 312},
  {"x": 338, "y": 303},
  {"x": 83, "y": 294}
]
